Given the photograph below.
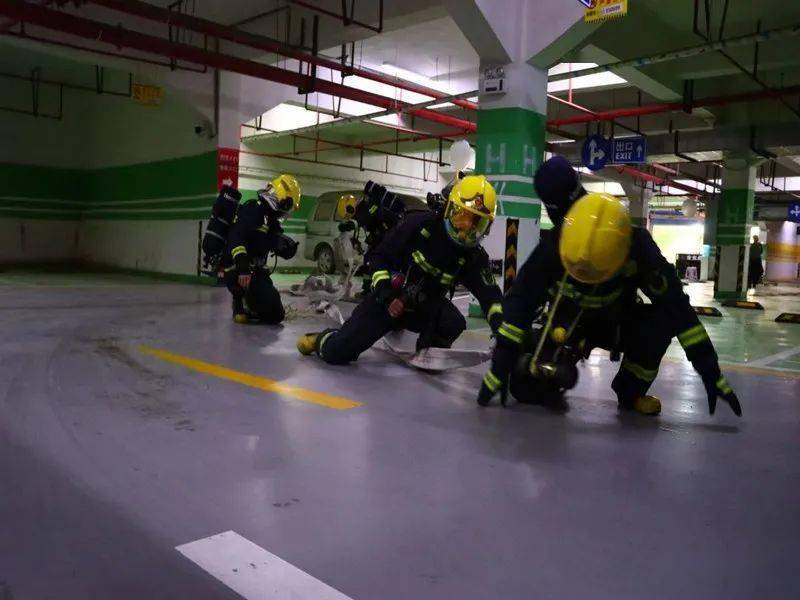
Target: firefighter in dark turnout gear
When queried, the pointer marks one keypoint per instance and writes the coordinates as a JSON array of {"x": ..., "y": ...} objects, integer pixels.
[
  {"x": 415, "y": 269},
  {"x": 255, "y": 234},
  {"x": 587, "y": 271}
]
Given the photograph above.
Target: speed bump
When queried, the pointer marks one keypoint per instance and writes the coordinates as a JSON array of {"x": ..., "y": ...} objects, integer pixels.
[
  {"x": 788, "y": 318},
  {"x": 743, "y": 304},
  {"x": 707, "y": 311}
]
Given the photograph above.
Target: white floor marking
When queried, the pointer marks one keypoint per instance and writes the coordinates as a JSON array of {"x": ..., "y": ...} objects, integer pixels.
[
  {"x": 767, "y": 360},
  {"x": 252, "y": 572}
]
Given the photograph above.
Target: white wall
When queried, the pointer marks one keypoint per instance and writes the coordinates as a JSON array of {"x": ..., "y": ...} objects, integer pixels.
[
  {"x": 27, "y": 240},
  {"x": 163, "y": 246}
]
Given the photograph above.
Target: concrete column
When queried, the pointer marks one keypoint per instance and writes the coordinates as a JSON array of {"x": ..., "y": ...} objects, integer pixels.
[
  {"x": 783, "y": 251},
  {"x": 510, "y": 147},
  {"x": 522, "y": 37},
  {"x": 638, "y": 204},
  {"x": 733, "y": 228},
  {"x": 710, "y": 239}
]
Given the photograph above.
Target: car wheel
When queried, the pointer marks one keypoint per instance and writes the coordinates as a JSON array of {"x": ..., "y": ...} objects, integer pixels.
[{"x": 325, "y": 259}]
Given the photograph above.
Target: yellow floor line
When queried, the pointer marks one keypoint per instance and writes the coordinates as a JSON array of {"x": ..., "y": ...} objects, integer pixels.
[{"x": 254, "y": 381}]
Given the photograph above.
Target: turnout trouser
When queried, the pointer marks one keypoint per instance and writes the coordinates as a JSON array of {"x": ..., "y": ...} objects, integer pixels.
[
  {"x": 261, "y": 299},
  {"x": 643, "y": 343},
  {"x": 439, "y": 324}
]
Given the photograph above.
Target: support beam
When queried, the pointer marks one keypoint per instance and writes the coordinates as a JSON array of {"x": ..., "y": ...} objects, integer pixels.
[
  {"x": 665, "y": 107},
  {"x": 265, "y": 44},
  {"x": 743, "y": 40},
  {"x": 120, "y": 37},
  {"x": 361, "y": 118}
]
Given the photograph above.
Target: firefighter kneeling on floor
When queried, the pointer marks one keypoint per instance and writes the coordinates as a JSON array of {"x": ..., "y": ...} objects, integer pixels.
[
  {"x": 255, "y": 234},
  {"x": 415, "y": 270},
  {"x": 588, "y": 271}
]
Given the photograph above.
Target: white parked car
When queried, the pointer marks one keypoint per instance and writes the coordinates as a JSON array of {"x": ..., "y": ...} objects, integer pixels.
[{"x": 322, "y": 229}]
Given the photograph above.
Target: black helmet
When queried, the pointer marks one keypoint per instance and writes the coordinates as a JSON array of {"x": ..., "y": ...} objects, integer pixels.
[{"x": 558, "y": 187}]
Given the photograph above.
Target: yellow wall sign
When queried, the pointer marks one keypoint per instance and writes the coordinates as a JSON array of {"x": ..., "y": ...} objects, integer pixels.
[
  {"x": 147, "y": 94},
  {"x": 603, "y": 10}
]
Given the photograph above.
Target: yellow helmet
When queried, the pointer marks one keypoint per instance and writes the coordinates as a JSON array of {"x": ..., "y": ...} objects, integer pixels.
[
  {"x": 470, "y": 210},
  {"x": 346, "y": 207},
  {"x": 595, "y": 238},
  {"x": 286, "y": 193}
]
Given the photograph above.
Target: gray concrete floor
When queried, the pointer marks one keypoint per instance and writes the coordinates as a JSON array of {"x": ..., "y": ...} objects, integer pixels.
[{"x": 110, "y": 458}]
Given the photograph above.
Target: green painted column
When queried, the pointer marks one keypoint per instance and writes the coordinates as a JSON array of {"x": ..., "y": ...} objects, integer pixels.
[
  {"x": 510, "y": 147},
  {"x": 734, "y": 216}
]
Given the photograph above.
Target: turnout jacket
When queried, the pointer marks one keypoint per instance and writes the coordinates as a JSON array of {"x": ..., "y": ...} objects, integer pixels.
[
  {"x": 646, "y": 270},
  {"x": 421, "y": 250},
  {"x": 255, "y": 233}
]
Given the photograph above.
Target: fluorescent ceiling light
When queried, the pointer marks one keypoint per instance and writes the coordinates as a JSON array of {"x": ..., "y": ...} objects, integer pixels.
[
  {"x": 698, "y": 185},
  {"x": 584, "y": 82},
  {"x": 402, "y": 73},
  {"x": 608, "y": 187}
]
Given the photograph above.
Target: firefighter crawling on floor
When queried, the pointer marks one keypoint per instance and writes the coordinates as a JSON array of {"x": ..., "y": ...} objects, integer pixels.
[
  {"x": 415, "y": 269},
  {"x": 241, "y": 249},
  {"x": 588, "y": 271}
]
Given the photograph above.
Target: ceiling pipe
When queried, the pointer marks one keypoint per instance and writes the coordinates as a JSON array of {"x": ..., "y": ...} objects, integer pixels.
[
  {"x": 265, "y": 44},
  {"x": 120, "y": 37},
  {"x": 361, "y": 168},
  {"x": 645, "y": 176},
  {"x": 346, "y": 20},
  {"x": 119, "y": 55},
  {"x": 665, "y": 107},
  {"x": 358, "y": 119},
  {"x": 743, "y": 40},
  {"x": 368, "y": 146},
  {"x": 8, "y": 24}
]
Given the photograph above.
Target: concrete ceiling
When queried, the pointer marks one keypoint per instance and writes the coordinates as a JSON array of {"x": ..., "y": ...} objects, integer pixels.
[{"x": 421, "y": 38}]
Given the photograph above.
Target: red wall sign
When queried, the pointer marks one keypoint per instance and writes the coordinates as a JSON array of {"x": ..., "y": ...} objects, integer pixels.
[{"x": 228, "y": 167}]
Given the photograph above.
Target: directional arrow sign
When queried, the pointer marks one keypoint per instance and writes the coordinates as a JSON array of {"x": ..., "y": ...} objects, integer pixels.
[
  {"x": 794, "y": 212},
  {"x": 596, "y": 152}
]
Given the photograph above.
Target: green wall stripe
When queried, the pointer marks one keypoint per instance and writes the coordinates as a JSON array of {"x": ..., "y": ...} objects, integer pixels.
[
  {"x": 45, "y": 215},
  {"x": 30, "y": 181},
  {"x": 176, "y": 189},
  {"x": 185, "y": 176},
  {"x": 202, "y": 203},
  {"x": 527, "y": 210},
  {"x": 39, "y": 204},
  {"x": 147, "y": 216}
]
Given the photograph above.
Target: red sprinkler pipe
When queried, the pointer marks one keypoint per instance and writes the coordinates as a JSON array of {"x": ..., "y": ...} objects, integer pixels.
[
  {"x": 120, "y": 37},
  {"x": 651, "y": 109},
  {"x": 154, "y": 13},
  {"x": 336, "y": 145},
  {"x": 643, "y": 175}
]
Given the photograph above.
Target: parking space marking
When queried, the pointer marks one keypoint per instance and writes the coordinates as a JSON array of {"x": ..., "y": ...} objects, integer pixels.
[
  {"x": 252, "y": 572},
  {"x": 254, "y": 381}
]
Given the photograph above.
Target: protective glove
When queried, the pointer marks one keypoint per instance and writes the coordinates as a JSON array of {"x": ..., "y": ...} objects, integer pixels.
[
  {"x": 496, "y": 379},
  {"x": 716, "y": 385},
  {"x": 286, "y": 247}
]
